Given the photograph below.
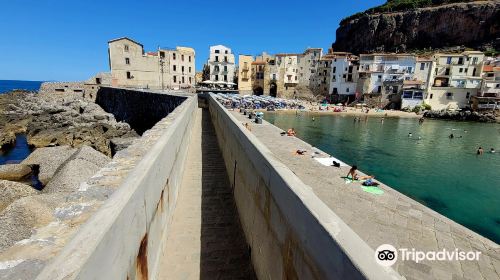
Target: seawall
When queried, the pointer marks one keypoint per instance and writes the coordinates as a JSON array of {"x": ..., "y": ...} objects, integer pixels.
[
  {"x": 291, "y": 232},
  {"x": 140, "y": 109}
]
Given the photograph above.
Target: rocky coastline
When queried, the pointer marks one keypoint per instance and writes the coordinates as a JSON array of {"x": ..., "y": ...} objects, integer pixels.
[
  {"x": 73, "y": 138},
  {"x": 463, "y": 116}
]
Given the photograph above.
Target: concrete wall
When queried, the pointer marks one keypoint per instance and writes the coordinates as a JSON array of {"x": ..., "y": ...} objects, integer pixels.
[
  {"x": 123, "y": 239},
  {"x": 141, "y": 110},
  {"x": 291, "y": 232}
]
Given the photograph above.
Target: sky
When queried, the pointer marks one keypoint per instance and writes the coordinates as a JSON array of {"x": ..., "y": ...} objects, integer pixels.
[{"x": 66, "y": 40}]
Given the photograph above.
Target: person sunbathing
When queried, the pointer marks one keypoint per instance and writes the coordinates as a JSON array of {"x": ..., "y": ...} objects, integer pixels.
[
  {"x": 291, "y": 132},
  {"x": 353, "y": 175}
]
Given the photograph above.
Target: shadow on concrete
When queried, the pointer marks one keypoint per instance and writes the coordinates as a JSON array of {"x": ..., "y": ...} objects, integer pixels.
[{"x": 224, "y": 251}]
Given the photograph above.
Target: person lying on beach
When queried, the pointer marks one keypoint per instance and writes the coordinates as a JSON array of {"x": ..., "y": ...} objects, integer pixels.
[
  {"x": 291, "y": 132},
  {"x": 353, "y": 175},
  {"x": 300, "y": 152}
]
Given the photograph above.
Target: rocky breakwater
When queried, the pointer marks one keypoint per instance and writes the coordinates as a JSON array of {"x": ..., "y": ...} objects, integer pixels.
[
  {"x": 397, "y": 27},
  {"x": 462, "y": 116},
  {"x": 57, "y": 119}
]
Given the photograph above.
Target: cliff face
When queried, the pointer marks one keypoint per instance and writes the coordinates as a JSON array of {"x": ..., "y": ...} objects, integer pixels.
[{"x": 462, "y": 24}]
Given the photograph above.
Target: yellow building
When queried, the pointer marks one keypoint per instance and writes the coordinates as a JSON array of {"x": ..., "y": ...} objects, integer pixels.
[{"x": 244, "y": 74}]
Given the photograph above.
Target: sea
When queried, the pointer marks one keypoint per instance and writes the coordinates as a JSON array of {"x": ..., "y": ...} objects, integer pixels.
[
  {"x": 8, "y": 85},
  {"x": 444, "y": 174}
]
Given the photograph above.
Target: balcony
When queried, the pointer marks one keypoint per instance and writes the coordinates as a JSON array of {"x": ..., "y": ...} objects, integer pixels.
[{"x": 245, "y": 69}]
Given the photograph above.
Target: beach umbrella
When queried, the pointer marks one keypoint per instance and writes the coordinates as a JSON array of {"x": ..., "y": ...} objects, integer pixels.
[{"x": 339, "y": 104}]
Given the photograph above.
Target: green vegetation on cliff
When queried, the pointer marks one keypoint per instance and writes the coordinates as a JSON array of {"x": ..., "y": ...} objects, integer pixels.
[{"x": 403, "y": 5}]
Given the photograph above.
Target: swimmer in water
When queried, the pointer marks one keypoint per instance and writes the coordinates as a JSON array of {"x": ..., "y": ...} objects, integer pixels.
[
  {"x": 492, "y": 150},
  {"x": 451, "y": 136},
  {"x": 410, "y": 135},
  {"x": 313, "y": 119},
  {"x": 480, "y": 151}
]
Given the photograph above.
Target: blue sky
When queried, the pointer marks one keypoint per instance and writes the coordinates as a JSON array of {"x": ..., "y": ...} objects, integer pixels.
[{"x": 67, "y": 39}]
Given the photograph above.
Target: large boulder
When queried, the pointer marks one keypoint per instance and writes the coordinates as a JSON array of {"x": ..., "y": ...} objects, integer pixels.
[
  {"x": 24, "y": 215},
  {"x": 79, "y": 168},
  {"x": 14, "y": 172},
  {"x": 49, "y": 160},
  {"x": 11, "y": 191}
]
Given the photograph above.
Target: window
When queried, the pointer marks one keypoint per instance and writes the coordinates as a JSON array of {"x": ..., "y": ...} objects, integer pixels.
[
  {"x": 379, "y": 78},
  {"x": 460, "y": 70},
  {"x": 127, "y": 60},
  {"x": 418, "y": 95},
  {"x": 162, "y": 54},
  {"x": 216, "y": 58},
  {"x": 183, "y": 81},
  {"x": 225, "y": 58},
  {"x": 347, "y": 90},
  {"x": 173, "y": 56},
  {"x": 182, "y": 57},
  {"x": 296, "y": 78},
  {"x": 449, "y": 95},
  {"x": 467, "y": 95},
  {"x": 129, "y": 76},
  {"x": 334, "y": 69},
  {"x": 216, "y": 77},
  {"x": 189, "y": 58},
  {"x": 448, "y": 60},
  {"x": 274, "y": 77},
  {"x": 422, "y": 66},
  {"x": 407, "y": 94},
  {"x": 474, "y": 60},
  {"x": 175, "y": 79},
  {"x": 225, "y": 68},
  {"x": 225, "y": 51},
  {"x": 410, "y": 69},
  {"x": 217, "y": 51},
  {"x": 182, "y": 69},
  {"x": 225, "y": 78},
  {"x": 432, "y": 95},
  {"x": 460, "y": 60},
  {"x": 379, "y": 89},
  {"x": 175, "y": 67},
  {"x": 125, "y": 47},
  {"x": 189, "y": 69},
  {"x": 189, "y": 79}
]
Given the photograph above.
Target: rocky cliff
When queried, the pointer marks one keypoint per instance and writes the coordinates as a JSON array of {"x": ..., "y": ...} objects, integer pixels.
[{"x": 474, "y": 25}]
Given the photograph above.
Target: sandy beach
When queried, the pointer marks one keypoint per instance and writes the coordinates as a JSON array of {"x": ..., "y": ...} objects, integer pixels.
[{"x": 350, "y": 112}]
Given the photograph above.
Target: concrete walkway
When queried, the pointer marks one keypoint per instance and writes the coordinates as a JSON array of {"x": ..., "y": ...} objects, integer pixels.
[
  {"x": 205, "y": 237},
  {"x": 391, "y": 218}
]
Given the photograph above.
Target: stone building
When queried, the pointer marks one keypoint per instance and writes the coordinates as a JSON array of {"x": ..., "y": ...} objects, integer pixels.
[
  {"x": 221, "y": 64},
  {"x": 244, "y": 74},
  {"x": 288, "y": 74},
  {"x": 454, "y": 79},
  {"x": 381, "y": 78},
  {"x": 344, "y": 76},
  {"x": 308, "y": 63},
  {"x": 165, "y": 68}
]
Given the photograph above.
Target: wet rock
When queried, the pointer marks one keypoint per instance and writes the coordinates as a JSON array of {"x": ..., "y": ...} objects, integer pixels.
[
  {"x": 14, "y": 172},
  {"x": 11, "y": 191},
  {"x": 79, "y": 168},
  {"x": 49, "y": 160}
]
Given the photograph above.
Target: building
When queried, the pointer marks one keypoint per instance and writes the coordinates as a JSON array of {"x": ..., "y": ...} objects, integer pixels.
[
  {"x": 165, "y": 68},
  {"x": 381, "y": 78},
  {"x": 416, "y": 89},
  {"x": 308, "y": 64},
  {"x": 221, "y": 64},
  {"x": 454, "y": 79},
  {"x": 244, "y": 74},
  {"x": 288, "y": 74},
  {"x": 488, "y": 97},
  {"x": 343, "y": 77}
]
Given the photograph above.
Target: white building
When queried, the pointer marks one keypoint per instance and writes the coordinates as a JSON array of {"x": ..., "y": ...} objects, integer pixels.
[
  {"x": 221, "y": 64},
  {"x": 489, "y": 96},
  {"x": 454, "y": 79},
  {"x": 416, "y": 89},
  {"x": 131, "y": 66},
  {"x": 381, "y": 77},
  {"x": 343, "y": 76}
]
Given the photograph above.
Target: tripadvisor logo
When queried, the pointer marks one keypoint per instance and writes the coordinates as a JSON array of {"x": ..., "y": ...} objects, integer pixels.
[{"x": 387, "y": 255}]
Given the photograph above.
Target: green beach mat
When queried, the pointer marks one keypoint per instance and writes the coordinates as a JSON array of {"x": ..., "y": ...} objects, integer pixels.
[{"x": 373, "y": 190}]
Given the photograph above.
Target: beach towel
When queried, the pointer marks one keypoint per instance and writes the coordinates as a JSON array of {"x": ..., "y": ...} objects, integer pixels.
[
  {"x": 329, "y": 161},
  {"x": 373, "y": 190}
]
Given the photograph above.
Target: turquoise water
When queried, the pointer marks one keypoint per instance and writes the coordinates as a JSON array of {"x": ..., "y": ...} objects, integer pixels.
[
  {"x": 444, "y": 174},
  {"x": 8, "y": 85}
]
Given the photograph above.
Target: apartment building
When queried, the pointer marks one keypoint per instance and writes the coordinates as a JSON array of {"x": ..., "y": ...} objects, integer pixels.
[
  {"x": 454, "y": 79},
  {"x": 166, "y": 68},
  {"x": 344, "y": 77},
  {"x": 288, "y": 74},
  {"x": 381, "y": 77},
  {"x": 221, "y": 64},
  {"x": 488, "y": 98},
  {"x": 245, "y": 74},
  {"x": 416, "y": 89},
  {"x": 308, "y": 64}
]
